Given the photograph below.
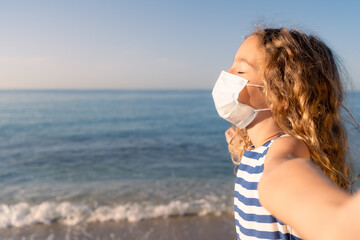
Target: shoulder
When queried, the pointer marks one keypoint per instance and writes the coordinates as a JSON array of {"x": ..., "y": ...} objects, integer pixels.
[{"x": 284, "y": 149}]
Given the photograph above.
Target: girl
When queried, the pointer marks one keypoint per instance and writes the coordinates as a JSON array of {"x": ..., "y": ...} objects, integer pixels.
[{"x": 283, "y": 93}]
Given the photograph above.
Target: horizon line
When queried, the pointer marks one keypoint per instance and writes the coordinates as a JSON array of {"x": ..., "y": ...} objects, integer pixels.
[
  {"x": 122, "y": 89},
  {"x": 105, "y": 89}
]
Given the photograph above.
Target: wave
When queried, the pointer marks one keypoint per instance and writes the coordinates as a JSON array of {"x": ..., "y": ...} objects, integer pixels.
[{"x": 24, "y": 214}]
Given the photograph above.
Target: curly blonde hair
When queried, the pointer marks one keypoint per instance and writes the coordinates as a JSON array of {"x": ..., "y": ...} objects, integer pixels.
[{"x": 302, "y": 81}]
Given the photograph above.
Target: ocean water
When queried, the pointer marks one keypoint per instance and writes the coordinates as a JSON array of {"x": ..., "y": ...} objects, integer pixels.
[
  {"x": 84, "y": 156},
  {"x": 94, "y": 156}
]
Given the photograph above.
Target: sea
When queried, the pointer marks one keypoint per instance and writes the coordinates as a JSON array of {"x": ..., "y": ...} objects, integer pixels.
[{"x": 83, "y": 156}]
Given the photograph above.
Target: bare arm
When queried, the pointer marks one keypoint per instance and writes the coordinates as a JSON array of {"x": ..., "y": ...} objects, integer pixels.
[{"x": 294, "y": 190}]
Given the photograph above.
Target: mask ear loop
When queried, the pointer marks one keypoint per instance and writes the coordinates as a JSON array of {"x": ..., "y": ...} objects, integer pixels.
[
  {"x": 264, "y": 109},
  {"x": 254, "y": 85}
]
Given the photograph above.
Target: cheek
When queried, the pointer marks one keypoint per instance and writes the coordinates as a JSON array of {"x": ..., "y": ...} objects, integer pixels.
[
  {"x": 252, "y": 96},
  {"x": 244, "y": 96}
]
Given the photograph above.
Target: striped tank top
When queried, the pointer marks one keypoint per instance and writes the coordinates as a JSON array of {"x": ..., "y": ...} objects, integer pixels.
[{"x": 252, "y": 221}]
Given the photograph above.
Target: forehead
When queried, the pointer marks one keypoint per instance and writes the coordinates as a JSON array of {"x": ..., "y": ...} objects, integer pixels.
[{"x": 249, "y": 52}]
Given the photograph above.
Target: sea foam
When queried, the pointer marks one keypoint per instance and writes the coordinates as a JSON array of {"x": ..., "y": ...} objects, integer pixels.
[{"x": 24, "y": 214}]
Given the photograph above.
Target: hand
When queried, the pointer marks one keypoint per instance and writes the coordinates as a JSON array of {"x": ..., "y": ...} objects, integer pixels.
[{"x": 229, "y": 134}]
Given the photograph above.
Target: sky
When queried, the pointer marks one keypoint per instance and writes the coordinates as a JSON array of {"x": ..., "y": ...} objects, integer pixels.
[{"x": 157, "y": 44}]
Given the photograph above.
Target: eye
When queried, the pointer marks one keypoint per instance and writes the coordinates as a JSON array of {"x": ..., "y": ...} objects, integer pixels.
[{"x": 240, "y": 72}]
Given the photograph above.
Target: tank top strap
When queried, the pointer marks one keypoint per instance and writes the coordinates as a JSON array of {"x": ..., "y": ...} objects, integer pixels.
[{"x": 282, "y": 135}]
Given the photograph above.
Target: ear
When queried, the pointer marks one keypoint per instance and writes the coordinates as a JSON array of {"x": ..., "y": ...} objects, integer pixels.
[{"x": 284, "y": 105}]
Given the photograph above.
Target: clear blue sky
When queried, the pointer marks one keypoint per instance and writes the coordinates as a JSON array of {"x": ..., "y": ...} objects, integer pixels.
[{"x": 156, "y": 44}]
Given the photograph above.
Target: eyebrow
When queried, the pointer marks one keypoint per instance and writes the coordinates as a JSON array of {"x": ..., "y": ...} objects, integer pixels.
[{"x": 245, "y": 61}]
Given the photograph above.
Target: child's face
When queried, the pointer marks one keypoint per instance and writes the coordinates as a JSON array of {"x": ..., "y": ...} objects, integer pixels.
[{"x": 247, "y": 62}]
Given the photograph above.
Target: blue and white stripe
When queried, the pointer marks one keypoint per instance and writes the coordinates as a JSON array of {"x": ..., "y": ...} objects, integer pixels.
[{"x": 252, "y": 220}]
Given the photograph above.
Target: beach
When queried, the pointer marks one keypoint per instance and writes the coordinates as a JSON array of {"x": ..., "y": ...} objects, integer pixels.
[{"x": 178, "y": 228}]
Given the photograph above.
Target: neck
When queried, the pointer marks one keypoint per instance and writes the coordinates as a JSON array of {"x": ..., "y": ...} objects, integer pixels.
[{"x": 263, "y": 129}]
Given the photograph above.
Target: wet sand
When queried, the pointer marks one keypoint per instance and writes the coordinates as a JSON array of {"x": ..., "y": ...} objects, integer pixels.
[{"x": 189, "y": 228}]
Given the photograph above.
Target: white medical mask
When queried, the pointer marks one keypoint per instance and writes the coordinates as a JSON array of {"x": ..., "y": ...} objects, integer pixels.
[{"x": 225, "y": 95}]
